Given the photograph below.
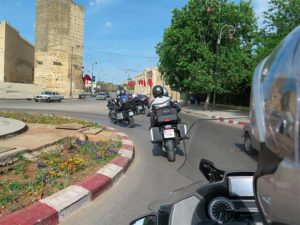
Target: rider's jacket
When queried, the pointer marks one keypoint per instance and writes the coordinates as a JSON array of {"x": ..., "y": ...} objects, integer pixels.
[{"x": 160, "y": 102}]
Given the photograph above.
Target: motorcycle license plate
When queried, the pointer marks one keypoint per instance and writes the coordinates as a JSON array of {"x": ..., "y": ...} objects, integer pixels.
[
  {"x": 169, "y": 133},
  {"x": 131, "y": 113}
]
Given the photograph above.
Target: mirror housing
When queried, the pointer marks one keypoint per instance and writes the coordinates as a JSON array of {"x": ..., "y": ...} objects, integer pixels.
[
  {"x": 210, "y": 172},
  {"x": 149, "y": 219}
]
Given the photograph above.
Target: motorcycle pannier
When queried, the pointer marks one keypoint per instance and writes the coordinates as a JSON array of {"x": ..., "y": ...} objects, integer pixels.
[
  {"x": 122, "y": 115},
  {"x": 182, "y": 129},
  {"x": 166, "y": 115},
  {"x": 156, "y": 136}
]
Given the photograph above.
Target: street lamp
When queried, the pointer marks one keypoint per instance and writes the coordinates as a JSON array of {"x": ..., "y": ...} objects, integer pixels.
[
  {"x": 209, "y": 5},
  {"x": 221, "y": 31},
  {"x": 224, "y": 29},
  {"x": 93, "y": 63}
]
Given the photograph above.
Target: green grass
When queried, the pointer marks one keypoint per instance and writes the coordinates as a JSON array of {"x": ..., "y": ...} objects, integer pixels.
[
  {"x": 21, "y": 166},
  {"x": 44, "y": 119}
]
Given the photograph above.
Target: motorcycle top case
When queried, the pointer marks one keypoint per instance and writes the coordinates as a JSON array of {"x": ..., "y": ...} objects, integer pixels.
[
  {"x": 156, "y": 136},
  {"x": 166, "y": 115}
]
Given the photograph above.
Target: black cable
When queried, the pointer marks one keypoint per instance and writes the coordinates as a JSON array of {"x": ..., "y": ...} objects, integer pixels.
[
  {"x": 125, "y": 55},
  {"x": 193, "y": 124}
]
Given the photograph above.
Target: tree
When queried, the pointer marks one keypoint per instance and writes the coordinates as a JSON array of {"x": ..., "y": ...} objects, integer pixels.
[
  {"x": 281, "y": 18},
  {"x": 187, "y": 53}
]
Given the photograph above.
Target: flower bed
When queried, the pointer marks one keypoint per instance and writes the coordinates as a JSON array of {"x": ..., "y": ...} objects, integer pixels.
[{"x": 27, "y": 181}]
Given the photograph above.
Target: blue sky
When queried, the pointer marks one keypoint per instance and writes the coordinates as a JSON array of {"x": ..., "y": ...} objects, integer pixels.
[{"x": 126, "y": 27}]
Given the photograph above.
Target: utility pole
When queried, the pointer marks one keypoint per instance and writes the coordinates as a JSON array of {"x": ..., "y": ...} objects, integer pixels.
[{"x": 71, "y": 75}]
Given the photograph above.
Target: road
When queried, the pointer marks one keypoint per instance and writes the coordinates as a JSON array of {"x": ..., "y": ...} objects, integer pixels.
[{"x": 150, "y": 175}]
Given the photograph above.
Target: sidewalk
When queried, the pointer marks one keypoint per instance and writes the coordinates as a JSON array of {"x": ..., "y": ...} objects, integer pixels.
[
  {"x": 10, "y": 126},
  {"x": 231, "y": 116}
]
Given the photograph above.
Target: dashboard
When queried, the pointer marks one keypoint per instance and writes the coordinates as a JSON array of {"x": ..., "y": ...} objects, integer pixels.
[
  {"x": 231, "y": 200},
  {"x": 223, "y": 210}
]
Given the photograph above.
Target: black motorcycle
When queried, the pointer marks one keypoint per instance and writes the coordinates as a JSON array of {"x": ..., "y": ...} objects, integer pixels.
[
  {"x": 140, "y": 107},
  {"x": 227, "y": 198},
  {"x": 168, "y": 132},
  {"x": 122, "y": 114}
]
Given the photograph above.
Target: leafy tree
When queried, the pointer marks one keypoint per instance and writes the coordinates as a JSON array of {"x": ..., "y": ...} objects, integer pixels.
[
  {"x": 281, "y": 18},
  {"x": 188, "y": 50}
]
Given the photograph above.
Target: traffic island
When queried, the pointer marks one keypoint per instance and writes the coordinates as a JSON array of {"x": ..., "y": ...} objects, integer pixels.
[{"x": 50, "y": 183}]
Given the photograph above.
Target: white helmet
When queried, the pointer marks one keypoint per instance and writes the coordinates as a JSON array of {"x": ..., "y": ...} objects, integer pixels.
[{"x": 275, "y": 120}]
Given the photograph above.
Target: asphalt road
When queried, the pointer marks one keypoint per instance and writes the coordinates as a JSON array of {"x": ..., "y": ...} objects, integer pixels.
[{"x": 150, "y": 175}]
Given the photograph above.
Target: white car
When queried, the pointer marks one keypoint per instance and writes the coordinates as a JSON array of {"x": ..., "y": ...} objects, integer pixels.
[
  {"x": 101, "y": 96},
  {"x": 48, "y": 96}
]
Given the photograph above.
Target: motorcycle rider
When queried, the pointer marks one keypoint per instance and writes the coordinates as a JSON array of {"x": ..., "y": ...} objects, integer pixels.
[
  {"x": 122, "y": 97},
  {"x": 159, "y": 101},
  {"x": 274, "y": 119},
  {"x": 173, "y": 103}
]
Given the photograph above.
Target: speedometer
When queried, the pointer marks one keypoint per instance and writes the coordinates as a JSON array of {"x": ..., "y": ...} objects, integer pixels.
[{"x": 221, "y": 210}]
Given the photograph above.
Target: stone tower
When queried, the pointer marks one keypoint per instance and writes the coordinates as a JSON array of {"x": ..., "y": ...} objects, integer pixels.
[{"x": 59, "y": 45}]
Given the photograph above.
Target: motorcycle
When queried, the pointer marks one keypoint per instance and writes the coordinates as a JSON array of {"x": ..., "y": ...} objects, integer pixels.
[
  {"x": 123, "y": 114},
  {"x": 168, "y": 132},
  {"x": 226, "y": 198},
  {"x": 140, "y": 106}
]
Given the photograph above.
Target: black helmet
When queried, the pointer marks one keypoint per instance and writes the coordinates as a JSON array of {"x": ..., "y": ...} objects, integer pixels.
[
  {"x": 157, "y": 91},
  {"x": 166, "y": 92}
]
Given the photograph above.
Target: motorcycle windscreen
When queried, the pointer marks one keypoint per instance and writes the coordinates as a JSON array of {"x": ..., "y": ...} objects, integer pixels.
[{"x": 174, "y": 196}]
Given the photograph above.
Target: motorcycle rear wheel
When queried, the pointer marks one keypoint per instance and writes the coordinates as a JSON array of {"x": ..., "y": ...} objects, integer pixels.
[
  {"x": 171, "y": 151},
  {"x": 112, "y": 120},
  {"x": 130, "y": 122}
]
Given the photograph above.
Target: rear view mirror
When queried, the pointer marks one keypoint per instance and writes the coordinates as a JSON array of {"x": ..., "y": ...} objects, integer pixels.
[
  {"x": 210, "y": 172},
  {"x": 146, "y": 220}
]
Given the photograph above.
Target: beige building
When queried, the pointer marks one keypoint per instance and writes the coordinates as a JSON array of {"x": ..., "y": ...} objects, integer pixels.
[
  {"x": 16, "y": 56},
  {"x": 59, "y": 45},
  {"x": 142, "y": 83}
]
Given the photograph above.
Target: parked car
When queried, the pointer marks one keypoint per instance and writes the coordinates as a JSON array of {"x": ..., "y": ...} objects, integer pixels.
[
  {"x": 101, "y": 96},
  {"x": 107, "y": 94},
  {"x": 250, "y": 142},
  {"x": 48, "y": 96},
  {"x": 85, "y": 95}
]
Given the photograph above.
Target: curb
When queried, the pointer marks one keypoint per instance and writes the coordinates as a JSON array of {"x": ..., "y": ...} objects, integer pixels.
[
  {"x": 231, "y": 121},
  {"x": 55, "y": 208},
  {"x": 219, "y": 118},
  {"x": 29, "y": 99},
  {"x": 11, "y": 127}
]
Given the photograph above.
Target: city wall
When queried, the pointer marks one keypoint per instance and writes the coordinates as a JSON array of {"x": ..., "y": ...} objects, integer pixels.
[{"x": 16, "y": 56}]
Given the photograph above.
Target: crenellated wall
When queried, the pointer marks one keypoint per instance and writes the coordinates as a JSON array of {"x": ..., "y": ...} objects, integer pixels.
[{"x": 16, "y": 56}]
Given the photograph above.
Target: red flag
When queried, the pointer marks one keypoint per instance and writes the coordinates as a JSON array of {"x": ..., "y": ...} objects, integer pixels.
[
  {"x": 144, "y": 83},
  {"x": 150, "y": 82}
]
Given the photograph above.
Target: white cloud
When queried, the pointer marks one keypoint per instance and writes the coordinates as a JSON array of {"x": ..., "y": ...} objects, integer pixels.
[
  {"x": 108, "y": 24},
  {"x": 260, "y": 6}
]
